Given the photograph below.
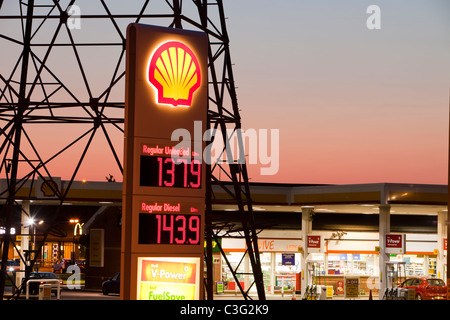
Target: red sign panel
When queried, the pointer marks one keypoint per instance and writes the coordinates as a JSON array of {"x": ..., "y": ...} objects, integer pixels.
[{"x": 394, "y": 241}]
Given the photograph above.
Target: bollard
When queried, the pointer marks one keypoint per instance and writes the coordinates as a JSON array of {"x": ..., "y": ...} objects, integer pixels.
[{"x": 45, "y": 291}]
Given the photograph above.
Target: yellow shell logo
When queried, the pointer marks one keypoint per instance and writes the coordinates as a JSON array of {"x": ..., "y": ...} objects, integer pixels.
[
  {"x": 174, "y": 72},
  {"x": 49, "y": 188}
]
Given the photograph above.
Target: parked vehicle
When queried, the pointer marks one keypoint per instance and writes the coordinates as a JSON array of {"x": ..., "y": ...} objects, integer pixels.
[
  {"x": 44, "y": 277},
  {"x": 81, "y": 264},
  {"x": 112, "y": 285},
  {"x": 427, "y": 288},
  {"x": 62, "y": 265},
  {"x": 12, "y": 265}
]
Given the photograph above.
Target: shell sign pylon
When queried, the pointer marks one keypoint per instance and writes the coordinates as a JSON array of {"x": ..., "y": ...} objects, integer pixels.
[
  {"x": 163, "y": 204},
  {"x": 174, "y": 72}
]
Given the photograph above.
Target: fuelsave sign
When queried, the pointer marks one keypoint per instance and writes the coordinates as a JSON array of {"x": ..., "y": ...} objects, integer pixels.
[{"x": 168, "y": 278}]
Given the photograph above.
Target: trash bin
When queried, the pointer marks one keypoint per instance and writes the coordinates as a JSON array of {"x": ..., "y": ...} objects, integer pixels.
[
  {"x": 402, "y": 294},
  {"x": 411, "y": 294},
  {"x": 45, "y": 291},
  {"x": 329, "y": 292},
  {"x": 323, "y": 293}
]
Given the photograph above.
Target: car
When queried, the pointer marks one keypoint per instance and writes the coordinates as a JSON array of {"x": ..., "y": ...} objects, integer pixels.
[
  {"x": 44, "y": 277},
  {"x": 81, "y": 264},
  {"x": 427, "y": 288},
  {"x": 62, "y": 265},
  {"x": 112, "y": 285},
  {"x": 12, "y": 265}
]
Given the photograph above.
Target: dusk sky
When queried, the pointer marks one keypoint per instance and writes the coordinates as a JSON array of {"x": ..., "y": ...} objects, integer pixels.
[{"x": 352, "y": 105}]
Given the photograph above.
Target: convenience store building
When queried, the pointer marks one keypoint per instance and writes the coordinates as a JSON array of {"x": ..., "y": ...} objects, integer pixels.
[{"x": 351, "y": 221}]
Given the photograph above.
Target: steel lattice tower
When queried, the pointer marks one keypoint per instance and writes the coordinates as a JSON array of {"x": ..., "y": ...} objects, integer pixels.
[{"x": 49, "y": 83}]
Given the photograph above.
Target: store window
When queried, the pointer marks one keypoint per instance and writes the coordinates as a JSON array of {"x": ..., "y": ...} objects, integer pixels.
[
  {"x": 339, "y": 264},
  {"x": 363, "y": 264},
  {"x": 236, "y": 260},
  {"x": 417, "y": 265},
  {"x": 287, "y": 268},
  {"x": 279, "y": 270},
  {"x": 346, "y": 263},
  {"x": 432, "y": 266},
  {"x": 266, "y": 267},
  {"x": 66, "y": 250},
  {"x": 316, "y": 263}
]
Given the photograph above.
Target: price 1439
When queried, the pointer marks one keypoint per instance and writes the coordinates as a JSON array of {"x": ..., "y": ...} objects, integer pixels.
[{"x": 182, "y": 229}]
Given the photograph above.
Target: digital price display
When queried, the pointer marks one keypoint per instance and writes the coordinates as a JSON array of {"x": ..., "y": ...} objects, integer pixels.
[
  {"x": 168, "y": 172},
  {"x": 169, "y": 229},
  {"x": 169, "y": 223}
]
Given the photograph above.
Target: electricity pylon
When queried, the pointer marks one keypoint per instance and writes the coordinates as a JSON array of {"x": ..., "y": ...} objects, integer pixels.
[{"x": 53, "y": 81}]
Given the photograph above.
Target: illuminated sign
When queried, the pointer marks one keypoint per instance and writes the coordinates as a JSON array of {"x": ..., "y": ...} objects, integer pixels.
[
  {"x": 174, "y": 71},
  {"x": 48, "y": 187},
  {"x": 169, "y": 229},
  {"x": 168, "y": 223},
  {"x": 167, "y": 172},
  {"x": 352, "y": 287},
  {"x": 314, "y": 243},
  {"x": 164, "y": 180},
  {"x": 168, "y": 278},
  {"x": 395, "y": 243},
  {"x": 159, "y": 169}
]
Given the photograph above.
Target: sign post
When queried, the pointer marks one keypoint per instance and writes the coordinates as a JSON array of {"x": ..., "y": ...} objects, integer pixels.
[{"x": 164, "y": 175}]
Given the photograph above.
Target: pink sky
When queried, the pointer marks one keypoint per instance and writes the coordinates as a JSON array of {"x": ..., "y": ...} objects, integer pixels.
[{"x": 352, "y": 105}]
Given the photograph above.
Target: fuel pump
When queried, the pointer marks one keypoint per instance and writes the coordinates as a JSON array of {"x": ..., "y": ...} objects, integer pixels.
[
  {"x": 312, "y": 280},
  {"x": 395, "y": 274}
]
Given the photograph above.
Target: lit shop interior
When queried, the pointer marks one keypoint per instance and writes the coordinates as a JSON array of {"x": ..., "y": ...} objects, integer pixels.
[
  {"x": 347, "y": 219},
  {"x": 282, "y": 269}
]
